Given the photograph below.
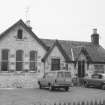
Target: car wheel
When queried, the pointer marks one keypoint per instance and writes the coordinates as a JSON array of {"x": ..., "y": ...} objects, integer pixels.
[
  {"x": 103, "y": 87},
  {"x": 51, "y": 87},
  {"x": 86, "y": 85},
  {"x": 40, "y": 86},
  {"x": 66, "y": 88}
]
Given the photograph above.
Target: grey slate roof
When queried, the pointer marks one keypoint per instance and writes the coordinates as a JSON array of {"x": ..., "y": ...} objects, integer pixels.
[{"x": 95, "y": 53}]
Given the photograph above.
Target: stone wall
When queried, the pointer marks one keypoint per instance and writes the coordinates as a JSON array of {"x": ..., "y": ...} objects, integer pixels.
[{"x": 21, "y": 80}]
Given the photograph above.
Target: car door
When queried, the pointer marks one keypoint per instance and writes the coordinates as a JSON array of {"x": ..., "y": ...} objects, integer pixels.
[
  {"x": 96, "y": 80},
  {"x": 43, "y": 80},
  {"x": 60, "y": 77}
]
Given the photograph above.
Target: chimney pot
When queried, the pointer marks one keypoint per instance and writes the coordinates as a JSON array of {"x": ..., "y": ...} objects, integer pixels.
[
  {"x": 95, "y": 37},
  {"x": 95, "y": 31},
  {"x": 28, "y": 24}
]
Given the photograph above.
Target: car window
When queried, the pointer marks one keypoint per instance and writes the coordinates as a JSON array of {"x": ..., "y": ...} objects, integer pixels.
[
  {"x": 67, "y": 74},
  {"x": 60, "y": 74},
  {"x": 97, "y": 76},
  {"x": 50, "y": 75}
]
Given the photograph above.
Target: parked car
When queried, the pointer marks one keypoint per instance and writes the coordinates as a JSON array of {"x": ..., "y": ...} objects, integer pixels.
[
  {"x": 56, "y": 79},
  {"x": 96, "y": 80}
]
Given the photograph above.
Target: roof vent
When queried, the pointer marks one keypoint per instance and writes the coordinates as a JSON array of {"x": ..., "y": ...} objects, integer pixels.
[{"x": 95, "y": 31}]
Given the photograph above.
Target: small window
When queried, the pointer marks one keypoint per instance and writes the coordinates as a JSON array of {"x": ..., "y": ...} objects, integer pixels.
[
  {"x": 55, "y": 64},
  {"x": 20, "y": 34}
]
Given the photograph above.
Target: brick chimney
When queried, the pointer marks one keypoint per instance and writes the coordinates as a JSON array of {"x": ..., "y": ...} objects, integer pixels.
[{"x": 95, "y": 37}]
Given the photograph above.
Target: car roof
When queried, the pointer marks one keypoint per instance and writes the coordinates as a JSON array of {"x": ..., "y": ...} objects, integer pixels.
[
  {"x": 103, "y": 74},
  {"x": 58, "y": 71}
]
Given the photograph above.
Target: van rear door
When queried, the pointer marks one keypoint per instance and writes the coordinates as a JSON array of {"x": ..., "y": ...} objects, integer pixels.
[{"x": 67, "y": 76}]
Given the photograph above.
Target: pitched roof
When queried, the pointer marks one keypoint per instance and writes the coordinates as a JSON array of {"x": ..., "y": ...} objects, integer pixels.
[
  {"x": 20, "y": 22},
  {"x": 56, "y": 43},
  {"x": 94, "y": 53}
]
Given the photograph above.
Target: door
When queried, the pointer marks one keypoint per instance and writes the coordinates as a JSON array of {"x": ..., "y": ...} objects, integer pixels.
[{"x": 81, "y": 69}]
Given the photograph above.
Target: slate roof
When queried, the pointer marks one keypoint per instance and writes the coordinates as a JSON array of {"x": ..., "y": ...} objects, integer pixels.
[
  {"x": 94, "y": 53},
  {"x": 70, "y": 49},
  {"x": 56, "y": 43}
]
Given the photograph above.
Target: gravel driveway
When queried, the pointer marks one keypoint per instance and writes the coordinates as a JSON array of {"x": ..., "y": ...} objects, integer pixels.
[{"x": 32, "y": 96}]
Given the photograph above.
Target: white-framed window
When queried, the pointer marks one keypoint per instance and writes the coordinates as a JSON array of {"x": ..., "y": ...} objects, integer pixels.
[
  {"x": 4, "y": 60},
  {"x": 55, "y": 64},
  {"x": 33, "y": 60},
  {"x": 19, "y": 60},
  {"x": 99, "y": 68},
  {"x": 20, "y": 34}
]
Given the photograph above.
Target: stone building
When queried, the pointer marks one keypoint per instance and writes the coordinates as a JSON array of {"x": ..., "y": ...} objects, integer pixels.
[{"x": 25, "y": 56}]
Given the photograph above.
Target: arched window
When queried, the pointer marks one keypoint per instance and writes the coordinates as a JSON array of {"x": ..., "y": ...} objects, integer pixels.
[
  {"x": 33, "y": 60},
  {"x": 20, "y": 34},
  {"x": 4, "y": 61},
  {"x": 19, "y": 60}
]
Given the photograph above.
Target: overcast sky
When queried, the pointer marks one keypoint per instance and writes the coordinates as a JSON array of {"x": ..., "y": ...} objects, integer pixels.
[{"x": 57, "y": 19}]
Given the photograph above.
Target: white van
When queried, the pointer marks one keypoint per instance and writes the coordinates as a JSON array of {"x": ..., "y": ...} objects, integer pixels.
[{"x": 56, "y": 79}]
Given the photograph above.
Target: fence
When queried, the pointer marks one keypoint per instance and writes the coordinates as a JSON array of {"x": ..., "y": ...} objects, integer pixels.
[
  {"x": 83, "y": 103},
  {"x": 96, "y": 102}
]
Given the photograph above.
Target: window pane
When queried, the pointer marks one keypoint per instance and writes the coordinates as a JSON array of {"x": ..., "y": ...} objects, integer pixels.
[
  {"x": 19, "y": 66},
  {"x": 99, "y": 68},
  {"x": 19, "y": 34},
  {"x": 5, "y": 54},
  {"x": 60, "y": 74},
  {"x": 19, "y": 60},
  {"x": 32, "y": 66},
  {"x": 4, "y": 61},
  {"x": 19, "y": 55},
  {"x": 4, "y": 66},
  {"x": 33, "y": 60},
  {"x": 55, "y": 64}
]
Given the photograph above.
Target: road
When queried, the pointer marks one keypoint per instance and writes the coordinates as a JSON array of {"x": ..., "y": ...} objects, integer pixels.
[{"x": 32, "y": 96}]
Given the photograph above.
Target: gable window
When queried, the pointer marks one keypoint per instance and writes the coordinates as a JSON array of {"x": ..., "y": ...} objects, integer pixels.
[
  {"x": 20, "y": 34},
  {"x": 55, "y": 64},
  {"x": 4, "y": 61},
  {"x": 33, "y": 60}
]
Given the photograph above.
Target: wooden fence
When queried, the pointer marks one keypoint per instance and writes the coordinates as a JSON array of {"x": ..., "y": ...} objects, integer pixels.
[
  {"x": 96, "y": 102},
  {"x": 83, "y": 103}
]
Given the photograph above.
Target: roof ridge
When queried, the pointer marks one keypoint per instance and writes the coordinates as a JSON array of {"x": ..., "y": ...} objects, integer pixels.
[{"x": 65, "y": 40}]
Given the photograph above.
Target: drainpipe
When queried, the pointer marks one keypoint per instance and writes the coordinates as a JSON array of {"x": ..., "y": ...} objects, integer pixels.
[
  {"x": 44, "y": 68},
  {"x": 72, "y": 54}
]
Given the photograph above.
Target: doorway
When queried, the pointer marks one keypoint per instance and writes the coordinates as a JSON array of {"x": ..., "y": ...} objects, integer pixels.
[{"x": 81, "y": 69}]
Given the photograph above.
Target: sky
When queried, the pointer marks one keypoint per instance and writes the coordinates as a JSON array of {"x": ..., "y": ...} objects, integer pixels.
[{"x": 57, "y": 19}]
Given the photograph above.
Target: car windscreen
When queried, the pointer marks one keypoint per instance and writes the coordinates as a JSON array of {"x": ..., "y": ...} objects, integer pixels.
[
  {"x": 60, "y": 74},
  {"x": 64, "y": 74},
  {"x": 51, "y": 74},
  {"x": 67, "y": 75}
]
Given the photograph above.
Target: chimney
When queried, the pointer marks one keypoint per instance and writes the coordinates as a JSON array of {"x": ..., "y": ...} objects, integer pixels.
[
  {"x": 95, "y": 37},
  {"x": 28, "y": 24}
]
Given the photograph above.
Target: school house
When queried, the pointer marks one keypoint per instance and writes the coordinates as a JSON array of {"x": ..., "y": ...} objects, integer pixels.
[{"x": 24, "y": 56}]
